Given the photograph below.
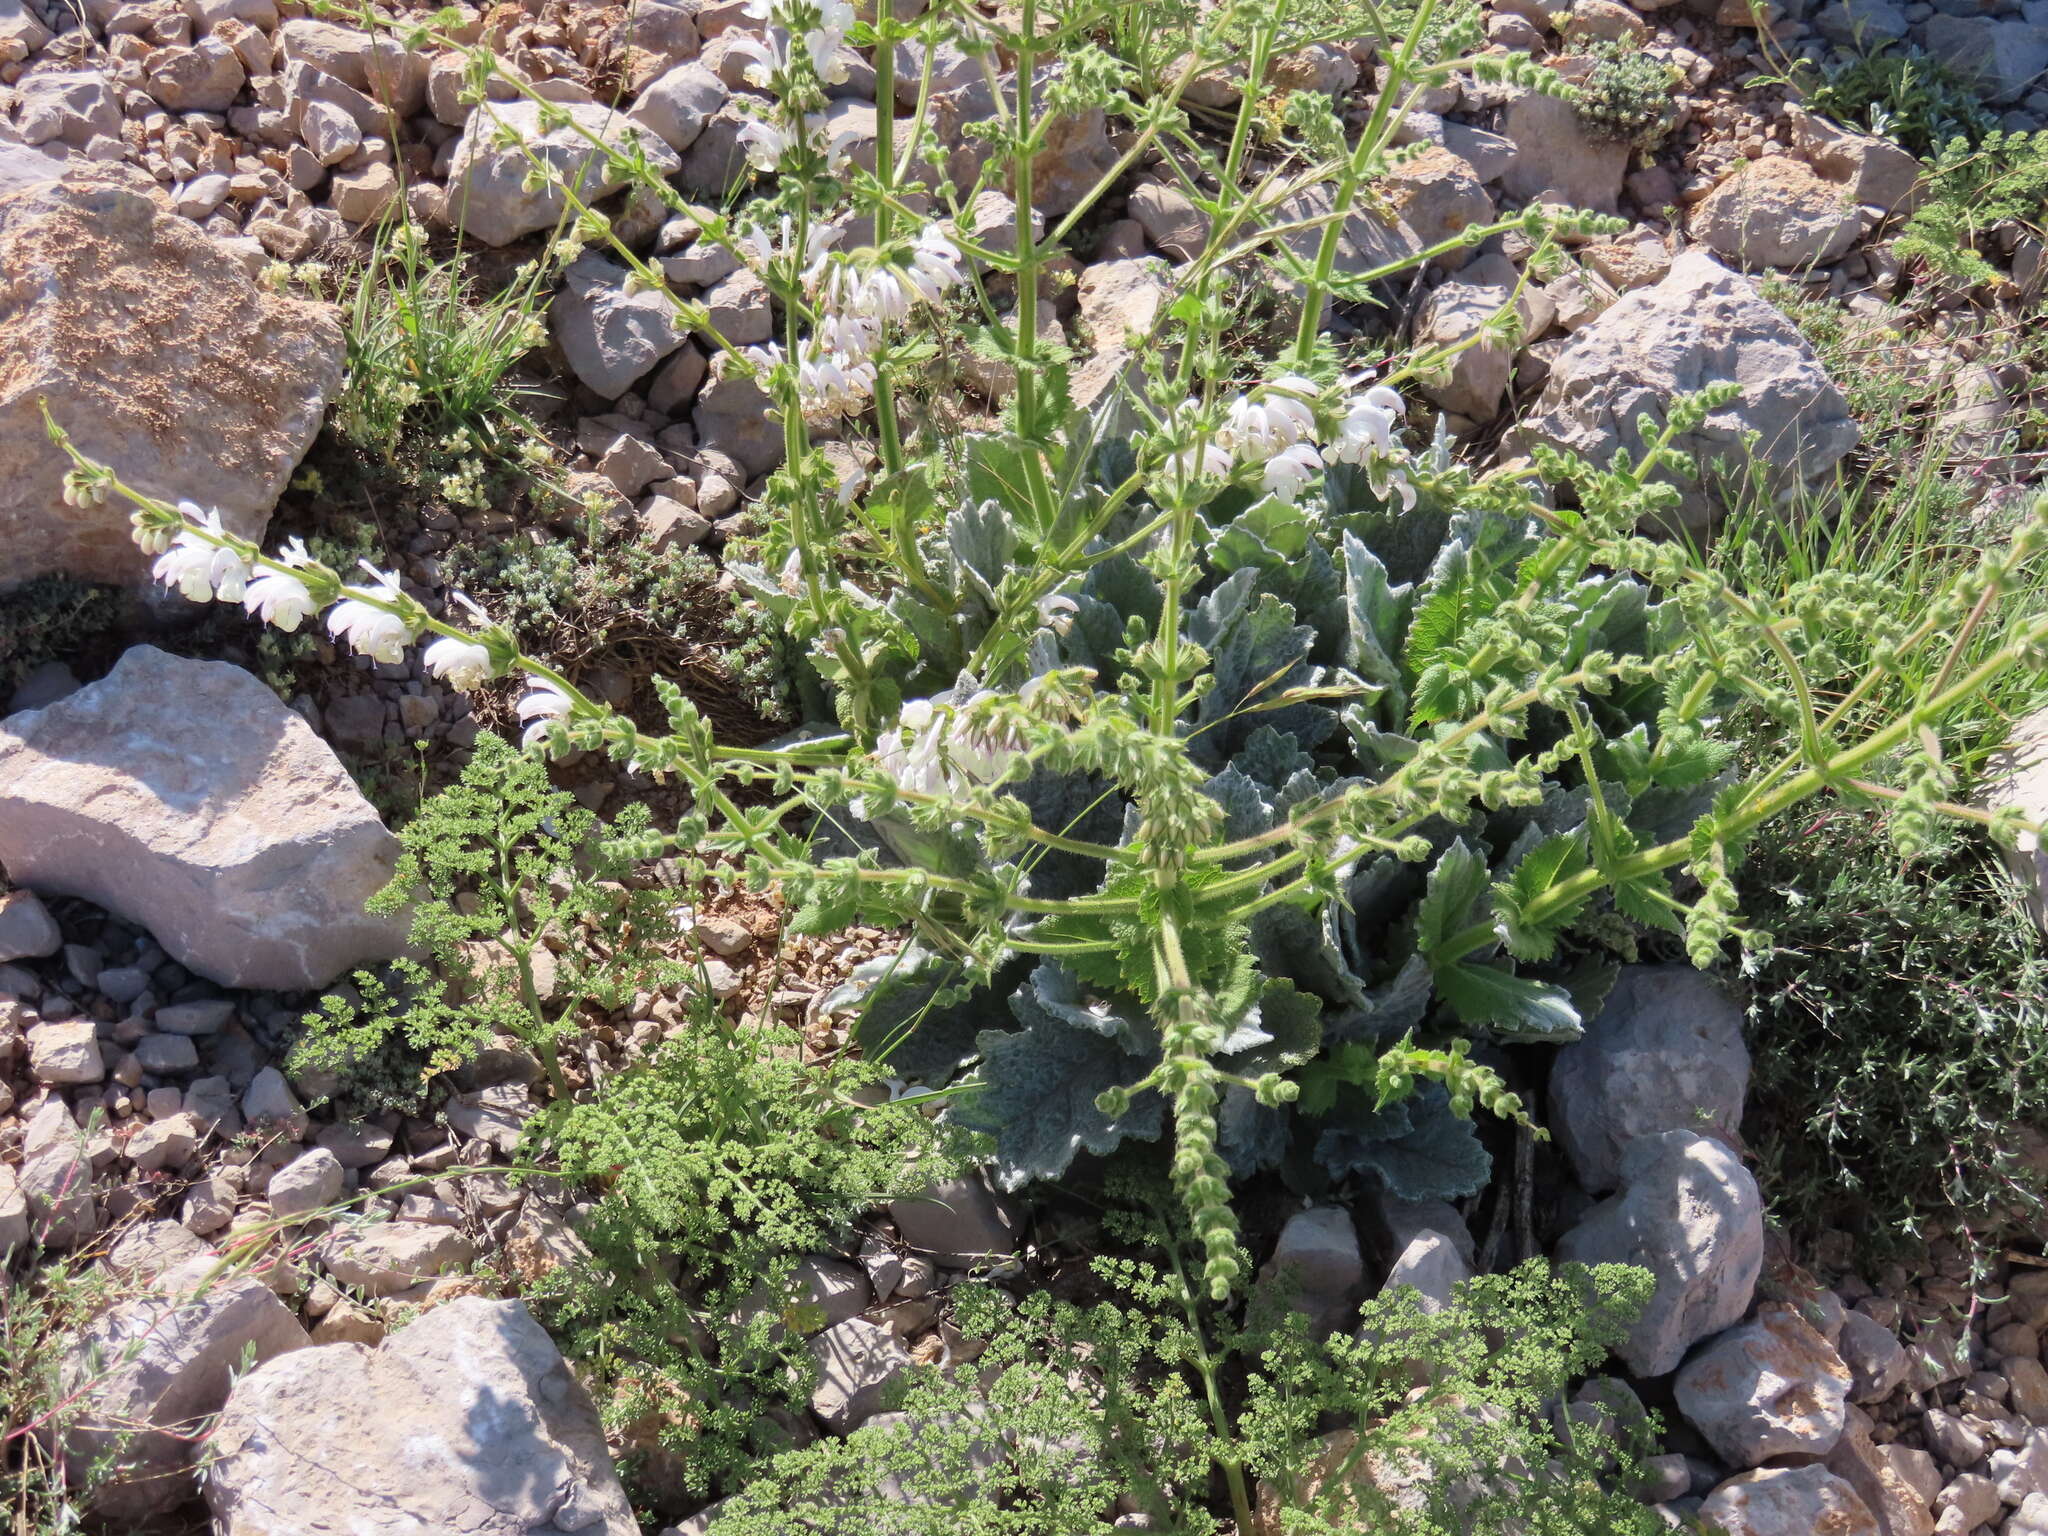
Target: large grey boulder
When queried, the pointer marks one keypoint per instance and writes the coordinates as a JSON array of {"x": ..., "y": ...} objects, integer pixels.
[
  {"x": 148, "y": 1371},
  {"x": 159, "y": 355},
  {"x": 467, "y": 1420},
  {"x": 489, "y": 193},
  {"x": 676, "y": 105},
  {"x": 1701, "y": 324},
  {"x": 1787, "y": 1501},
  {"x": 1689, "y": 1213},
  {"x": 1769, "y": 1387},
  {"x": 184, "y": 797},
  {"x": 1664, "y": 1053}
]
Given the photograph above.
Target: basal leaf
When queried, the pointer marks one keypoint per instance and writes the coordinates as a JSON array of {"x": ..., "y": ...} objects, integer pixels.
[
  {"x": 1037, "y": 1095},
  {"x": 1456, "y": 882},
  {"x": 1550, "y": 863},
  {"x": 1511, "y": 1007}
]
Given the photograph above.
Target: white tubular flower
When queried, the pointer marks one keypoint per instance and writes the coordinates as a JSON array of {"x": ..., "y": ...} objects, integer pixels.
[
  {"x": 763, "y": 59},
  {"x": 767, "y": 143},
  {"x": 1290, "y": 470},
  {"x": 826, "y": 385},
  {"x": 851, "y": 478},
  {"x": 188, "y": 566},
  {"x": 850, "y": 338},
  {"x": 1280, "y": 417},
  {"x": 370, "y": 631},
  {"x": 1057, "y": 611},
  {"x": 1367, "y": 430},
  {"x": 459, "y": 663},
  {"x": 884, "y": 296},
  {"x": 823, "y": 47},
  {"x": 935, "y": 263},
  {"x": 540, "y": 708},
  {"x": 278, "y": 598},
  {"x": 1207, "y": 462}
]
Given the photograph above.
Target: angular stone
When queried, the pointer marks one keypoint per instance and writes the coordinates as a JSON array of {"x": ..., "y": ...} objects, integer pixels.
[
  {"x": 270, "y": 1106},
  {"x": 247, "y": 853},
  {"x": 150, "y": 1369},
  {"x": 1439, "y": 196},
  {"x": 1893, "y": 1501},
  {"x": 856, "y": 1362},
  {"x": 65, "y": 1052},
  {"x": 1664, "y": 1053},
  {"x": 1787, "y": 1501},
  {"x": 2023, "y": 1471},
  {"x": 304, "y": 1185},
  {"x": 1318, "y": 1261},
  {"x": 27, "y": 931},
  {"x": 676, "y": 105},
  {"x": 1475, "y": 381},
  {"x": 611, "y": 336},
  {"x": 959, "y": 1222},
  {"x": 1768, "y": 1387},
  {"x": 1688, "y": 1212},
  {"x": 2005, "y": 57},
  {"x": 150, "y": 1248},
  {"x": 166, "y": 1055},
  {"x": 1556, "y": 153},
  {"x": 1433, "y": 1267},
  {"x": 1871, "y": 171},
  {"x": 1877, "y": 1361},
  {"x": 158, "y": 355},
  {"x": 487, "y": 192},
  {"x": 206, "y": 77},
  {"x": 1774, "y": 212},
  {"x": 14, "y": 1227},
  {"x": 394, "y": 1256},
  {"x": 468, "y": 1420},
  {"x": 1170, "y": 220},
  {"x": 1702, "y": 324}
]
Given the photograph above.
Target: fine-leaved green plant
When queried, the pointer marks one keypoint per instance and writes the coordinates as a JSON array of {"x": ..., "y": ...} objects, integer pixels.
[{"x": 512, "y": 903}]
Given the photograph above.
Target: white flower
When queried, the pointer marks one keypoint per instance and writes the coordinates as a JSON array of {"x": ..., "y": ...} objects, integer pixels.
[
  {"x": 1290, "y": 470},
  {"x": 766, "y": 143},
  {"x": 1057, "y": 611},
  {"x": 851, "y": 478},
  {"x": 827, "y": 386},
  {"x": 935, "y": 263},
  {"x": 369, "y": 630},
  {"x": 1278, "y": 418},
  {"x": 850, "y": 338},
  {"x": 1207, "y": 462},
  {"x": 1368, "y": 427},
  {"x": 540, "y": 708},
  {"x": 459, "y": 663},
  {"x": 279, "y": 598},
  {"x": 188, "y": 566}
]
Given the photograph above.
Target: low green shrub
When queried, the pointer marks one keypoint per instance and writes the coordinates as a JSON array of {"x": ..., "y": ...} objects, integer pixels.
[
  {"x": 1972, "y": 187},
  {"x": 1898, "y": 1034},
  {"x": 47, "y": 619},
  {"x": 1628, "y": 94},
  {"x": 1903, "y": 94}
]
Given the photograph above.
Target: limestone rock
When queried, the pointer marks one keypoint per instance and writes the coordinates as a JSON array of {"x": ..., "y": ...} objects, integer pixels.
[
  {"x": 1701, "y": 324},
  {"x": 27, "y": 931},
  {"x": 2005, "y": 57},
  {"x": 183, "y": 796},
  {"x": 1787, "y": 1501},
  {"x": 1318, "y": 1261},
  {"x": 856, "y": 1360},
  {"x": 1556, "y": 153},
  {"x": 1689, "y": 1213},
  {"x": 171, "y": 1356},
  {"x": 1877, "y": 1361},
  {"x": 1171, "y": 221},
  {"x": 2018, "y": 776},
  {"x": 1665, "y": 1053},
  {"x": 1475, "y": 381},
  {"x": 611, "y": 336},
  {"x": 487, "y": 192},
  {"x": 1433, "y": 1266},
  {"x": 676, "y": 106},
  {"x": 395, "y": 1255},
  {"x": 1439, "y": 196},
  {"x": 466, "y": 1420},
  {"x": 1775, "y": 212},
  {"x": 1870, "y": 170},
  {"x": 1769, "y": 1387},
  {"x": 157, "y": 353},
  {"x": 959, "y": 1222},
  {"x": 305, "y": 1184},
  {"x": 13, "y": 1213}
]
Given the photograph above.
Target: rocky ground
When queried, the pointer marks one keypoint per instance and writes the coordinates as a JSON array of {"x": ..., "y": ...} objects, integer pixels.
[{"x": 158, "y": 157}]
